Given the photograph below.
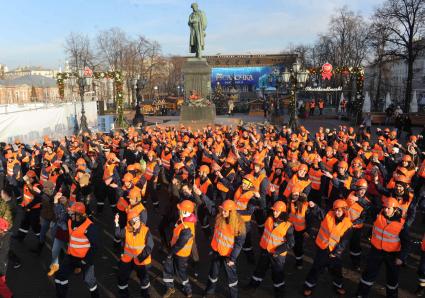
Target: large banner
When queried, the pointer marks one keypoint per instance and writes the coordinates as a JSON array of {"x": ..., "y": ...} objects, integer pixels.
[
  {"x": 30, "y": 122},
  {"x": 256, "y": 76}
]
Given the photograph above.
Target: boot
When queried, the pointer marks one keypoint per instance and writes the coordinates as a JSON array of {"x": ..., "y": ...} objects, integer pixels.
[
  {"x": 339, "y": 291},
  {"x": 145, "y": 293},
  {"x": 169, "y": 293},
  {"x": 94, "y": 294},
  {"x": 53, "y": 269}
]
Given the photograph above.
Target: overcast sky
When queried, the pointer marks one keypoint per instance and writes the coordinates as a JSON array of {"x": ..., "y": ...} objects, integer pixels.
[{"x": 33, "y": 31}]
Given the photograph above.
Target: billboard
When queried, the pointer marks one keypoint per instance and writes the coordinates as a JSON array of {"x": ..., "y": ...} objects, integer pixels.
[{"x": 256, "y": 76}]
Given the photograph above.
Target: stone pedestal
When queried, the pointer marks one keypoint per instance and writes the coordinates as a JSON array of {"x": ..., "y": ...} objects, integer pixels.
[
  {"x": 201, "y": 115},
  {"x": 197, "y": 76}
]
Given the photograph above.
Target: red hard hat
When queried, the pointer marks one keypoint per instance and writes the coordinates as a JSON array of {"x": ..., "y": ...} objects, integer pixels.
[
  {"x": 279, "y": 206},
  {"x": 339, "y": 204},
  {"x": 390, "y": 203},
  {"x": 361, "y": 183},
  {"x": 228, "y": 205},
  {"x": 31, "y": 174},
  {"x": 186, "y": 205},
  {"x": 78, "y": 207}
]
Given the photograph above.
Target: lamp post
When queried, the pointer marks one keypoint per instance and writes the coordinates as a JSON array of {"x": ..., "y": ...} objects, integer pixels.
[
  {"x": 83, "y": 82},
  {"x": 156, "y": 91},
  {"x": 72, "y": 81},
  {"x": 277, "y": 78},
  {"x": 295, "y": 78},
  {"x": 138, "y": 84}
]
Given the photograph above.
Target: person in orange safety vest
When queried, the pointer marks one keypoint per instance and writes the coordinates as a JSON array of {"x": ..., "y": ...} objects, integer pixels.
[
  {"x": 276, "y": 241},
  {"x": 136, "y": 254},
  {"x": 81, "y": 250},
  {"x": 388, "y": 247}
]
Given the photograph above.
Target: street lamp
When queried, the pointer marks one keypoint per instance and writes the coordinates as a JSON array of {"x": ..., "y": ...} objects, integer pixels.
[
  {"x": 72, "y": 81},
  {"x": 83, "y": 82},
  {"x": 156, "y": 91},
  {"x": 296, "y": 78}
]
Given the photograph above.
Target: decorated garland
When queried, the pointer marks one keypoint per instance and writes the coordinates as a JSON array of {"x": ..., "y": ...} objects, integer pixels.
[
  {"x": 119, "y": 95},
  {"x": 346, "y": 71}
]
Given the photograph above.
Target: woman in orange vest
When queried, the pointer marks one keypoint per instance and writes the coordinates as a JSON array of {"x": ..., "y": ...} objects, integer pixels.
[
  {"x": 339, "y": 185},
  {"x": 276, "y": 241},
  {"x": 181, "y": 249},
  {"x": 358, "y": 208},
  {"x": 299, "y": 179},
  {"x": 228, "y": 238},
  {"x": 315, "y": 174},
  {"x": 31, "y": 203},
  {"x": 299, "y": 212},
  {"x": 81, "y": 251},
  {"x": 333, "y": 237},
  {"x": 388, "y": 247},
  {"x": 151, "y": 175},
  {"x": 138, "y": 246},
  {"x": 244, "y": 198}
]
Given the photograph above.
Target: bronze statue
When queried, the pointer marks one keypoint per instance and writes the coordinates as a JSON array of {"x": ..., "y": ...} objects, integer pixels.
[{"x": 197, "y": 24}]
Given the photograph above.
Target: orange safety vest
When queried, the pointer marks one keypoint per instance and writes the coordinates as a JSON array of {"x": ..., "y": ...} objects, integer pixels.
[
  {"x": 136, "y": 208},
  {"x": 274, "y": 182},
  {"x": 150, "y": 167},
  {"x": 302, "y": 184},
  {"x": 377, "y": 149},
  {"x": 134, "y": 245},
  {"x": 257, "y": 181},
  {"x": 274, "y": 236},
  {"x": 187, "y": 248},
  {"x": 385, "y": 234},
  {"x": 223, "y": 240},
  {"x": 10, "y": 167},
  {"x": 204, "y": 186},
  {"x": 165, "y": 159},
  {"x": 28, "y": 197},
  {"x": 108, "y": 171},
  {"x": 206, "y": 159},
  {"x": 315, "y": 177},
  {"x": 354, "y": 209},
  {"x": 330, "y": 233},
  {"x": 292, "y": 154},
  {"x": 329, "y": 163},
  {"x": 220, "y": 186},
  {"x": 122, "y": 204},
  {"x": 321, "y": 104},
  {"x": 242, "y": 200},
  {"x": 297, "y": 217},
  {"x": 79, "y": 244}
]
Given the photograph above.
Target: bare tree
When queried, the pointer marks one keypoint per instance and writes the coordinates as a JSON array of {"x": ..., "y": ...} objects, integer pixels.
[
  {"x": 111, "y": 46},
  {"x": 79, "y": 51},
  {"x": 405, "y": 20}
]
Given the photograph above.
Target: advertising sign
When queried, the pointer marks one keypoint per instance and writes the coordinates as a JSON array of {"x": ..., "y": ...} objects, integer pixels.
[{"x": 256, "y": 76}]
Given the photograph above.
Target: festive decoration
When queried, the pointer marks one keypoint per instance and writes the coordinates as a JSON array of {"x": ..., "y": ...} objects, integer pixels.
[
  {"x": 119, "y": 95},
  {"x": 326, "y": 71}
]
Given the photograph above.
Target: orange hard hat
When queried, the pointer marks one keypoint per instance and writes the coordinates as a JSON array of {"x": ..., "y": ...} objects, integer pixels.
[
  {"x": 204, "y": 169},
  {"x": 80, "y": 161},
  {"x": 31, "y": 174},
  {"x": 128, "y": 177},
  {"x": 365, "y": 144},
  {"x": 343, "y": 164},
  {"x": 361, "y": 183},
  {"x": 178, "y": 165},
  {"x": 228, "y": 205},
  {"x": 132, "y": 214},
  {"x": 186, "y": 205},
  {"x": 130, "y": 168},
  {"x": 329, "y": 149},
  {"x": 111, "y": 155},
  {"x": 390, "y": 203},
  {"x": 279, "y": 206},
  {"x": 339, "y": 204},
  {"x": 407, "y": 158},
  {"x": 137, "y": 166},
  {"x": 135, "y": 194},
  {"x": 303, "y": 167},
  {"x": 78, "y": 207},
  {"x": 248, "y": 179}
]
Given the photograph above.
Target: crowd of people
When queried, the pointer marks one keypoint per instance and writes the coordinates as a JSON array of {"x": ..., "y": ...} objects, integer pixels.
[{"x": 335, "y": 188}]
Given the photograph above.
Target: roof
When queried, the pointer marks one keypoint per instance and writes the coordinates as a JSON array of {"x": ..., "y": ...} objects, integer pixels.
[{"x": 31, "y": 80}]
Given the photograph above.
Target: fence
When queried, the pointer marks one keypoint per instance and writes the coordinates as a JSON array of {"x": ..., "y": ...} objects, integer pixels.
[{"x": 30, "y": 122}]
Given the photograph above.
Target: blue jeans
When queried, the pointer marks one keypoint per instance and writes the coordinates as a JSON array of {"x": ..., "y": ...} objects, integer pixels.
[
  {"x": 45, "y": 226},
  {"x": 58, "y": 245}
]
